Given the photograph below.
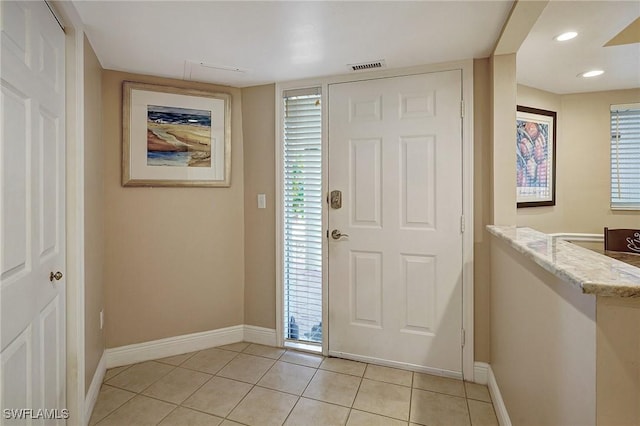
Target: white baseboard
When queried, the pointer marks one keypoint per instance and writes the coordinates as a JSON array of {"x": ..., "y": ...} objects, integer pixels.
[
  {"x": 496, "y": 397},
  {"x": 94, "y": 388},
  {"x": 260, "y": 335},
  {"x": 396, "y": 364},
  {"x": 481, "y": 373},
  {"x": 146, "y": 351}
]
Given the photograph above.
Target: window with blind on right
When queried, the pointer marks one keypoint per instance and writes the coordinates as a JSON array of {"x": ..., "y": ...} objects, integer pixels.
[
  {"x": 302, "y": 215},
  {"x": 625, "y": 157}
]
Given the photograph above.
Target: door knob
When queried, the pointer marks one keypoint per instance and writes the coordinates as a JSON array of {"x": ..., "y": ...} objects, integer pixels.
[
  {"x": 57, "y": 276},
  {"x": 336, "y": 234}
]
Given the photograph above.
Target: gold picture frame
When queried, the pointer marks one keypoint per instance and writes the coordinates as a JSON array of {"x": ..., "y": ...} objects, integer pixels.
[{"x": 175, "y": 137}]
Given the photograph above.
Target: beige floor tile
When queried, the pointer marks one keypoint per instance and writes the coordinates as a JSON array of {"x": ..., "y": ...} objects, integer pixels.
[
  {"x": 109, "y": 399},
  {"x": 438, "y": 384},
  {"x": 287, "y": 377},
  {"x": 476, "y": 391},
  {"x": 360, "y": 418},
  {"x": 383, "y": 398},
  {"x": 265, "y": 351},
  {"x": 139, "y": 411},
  {"x": 184, "y": 417},
  {"x": 302, "y": 358},
  {"x": 139, "y": 376},
  {"x": 246, "y": 368},
  {"x": 176, "y": 386},
  {"x": 218, "y": 396},
  {"x": 389, "y": 375},
  {"x": 230, "y": 423},
  {"x": 113, "y": 371},
  {"x": 309, "y": 412},
  {"x": 333, "y": 387},
  {"x": 344, "y": 366},
  {"x": 264, "y": 407},
  {"x": 176, "y": 359},
  {"x": 436, "y": 409},
  {"x": 236, "y": 347},
  {"x": 482, "y": 413},
  {"x": 209, "y": 360}
]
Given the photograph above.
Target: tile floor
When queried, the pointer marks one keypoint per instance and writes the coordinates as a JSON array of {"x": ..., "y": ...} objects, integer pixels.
[{"x": 250, "y": 384}]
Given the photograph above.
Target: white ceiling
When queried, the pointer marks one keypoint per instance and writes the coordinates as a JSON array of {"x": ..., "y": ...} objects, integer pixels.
[
  {"x": 553, "y": 66},
  {"x": 285, "y": 40},
  {"x": 288, "y": 40}
]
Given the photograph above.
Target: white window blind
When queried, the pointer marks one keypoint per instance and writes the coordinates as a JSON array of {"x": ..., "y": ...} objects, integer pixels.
[
  {"x": 302, "y": 198},
  {"x": 625, "y": 156}
]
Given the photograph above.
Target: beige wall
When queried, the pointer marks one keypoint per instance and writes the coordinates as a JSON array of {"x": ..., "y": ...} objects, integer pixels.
[
  {"x": 258, "y": 122},
  {"x": 582, "y": 168},
  {"x": 93, "y": 213},
  {"x": 174, "y": 257},
  {"x": 543, "y": 343},
  {"x": 503, "y": 98},
  {"x": 482, "y": 210},
  {"x": 618, "y": 353}
]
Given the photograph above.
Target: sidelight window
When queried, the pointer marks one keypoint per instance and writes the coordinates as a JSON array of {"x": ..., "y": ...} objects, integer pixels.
[{"x": 302, "y": 211}]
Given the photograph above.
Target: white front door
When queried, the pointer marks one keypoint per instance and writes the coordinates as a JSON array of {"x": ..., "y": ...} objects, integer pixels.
[
  {"x": 395, "y": 279},
  {"x": 32, "y": 204}
]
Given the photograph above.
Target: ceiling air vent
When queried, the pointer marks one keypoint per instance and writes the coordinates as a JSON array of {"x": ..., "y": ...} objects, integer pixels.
[
  {"x": 201, "y": 71},
  {"x": 364, "y": 66}
]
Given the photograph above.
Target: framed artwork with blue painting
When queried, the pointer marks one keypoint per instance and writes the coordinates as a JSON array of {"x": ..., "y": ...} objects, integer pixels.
[
  {"x": 175, "y": 137},
  {"x": 535, "y": 157}
]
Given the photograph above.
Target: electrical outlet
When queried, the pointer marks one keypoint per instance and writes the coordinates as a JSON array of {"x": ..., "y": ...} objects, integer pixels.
[{"x": 101, "y": 318}]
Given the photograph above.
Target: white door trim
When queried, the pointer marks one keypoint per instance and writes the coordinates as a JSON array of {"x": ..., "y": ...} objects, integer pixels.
[
  {"x": 467, "y": 191},
  {"x": 74, "y": 30},
  {"x": 467, "y": 210}
]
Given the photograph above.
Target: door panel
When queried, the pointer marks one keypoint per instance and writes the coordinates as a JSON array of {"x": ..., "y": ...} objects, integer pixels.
[
  {"x": 366, "y": 182},
  {"x": 49, "y": 356},
  {"x": 419, "y": 277},
  {"x": 32, "y": 153},
  {"x": 366, "y": 291},
  {"x": 395, "y": 279},
  {"x": 15, "y": 169},
  {"x": 17, "y": 389},
  {"x": 418, "y": 192}
]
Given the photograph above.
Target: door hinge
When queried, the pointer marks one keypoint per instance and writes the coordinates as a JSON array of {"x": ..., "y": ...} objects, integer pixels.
[
  {"x": 462, "y": 337},
  {"x": 462, "y": 226},
  {"x": 462, "y": 109}
]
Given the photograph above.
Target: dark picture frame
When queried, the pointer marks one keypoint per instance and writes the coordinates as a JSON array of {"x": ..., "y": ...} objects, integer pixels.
[{"x": 535, "y": 157}]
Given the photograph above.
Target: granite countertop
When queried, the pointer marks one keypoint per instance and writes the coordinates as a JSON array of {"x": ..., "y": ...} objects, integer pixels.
[{"x": 592, "y": 272}]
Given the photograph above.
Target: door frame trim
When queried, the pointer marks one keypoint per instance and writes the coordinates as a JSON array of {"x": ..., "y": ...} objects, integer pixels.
[
  {"x": 75, "y": 320},
  {"x": 466, "y": 67}
]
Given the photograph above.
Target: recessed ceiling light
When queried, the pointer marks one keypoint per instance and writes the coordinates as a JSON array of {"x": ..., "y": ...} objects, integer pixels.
[
  {"x": 592, "y": 73},
  {"x": 566, "y": 36}
]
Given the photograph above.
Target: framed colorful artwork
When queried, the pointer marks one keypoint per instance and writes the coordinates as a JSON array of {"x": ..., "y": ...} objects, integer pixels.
[
  {"x": 175, "y": 137},
  {"x": 535, "y": 157}
]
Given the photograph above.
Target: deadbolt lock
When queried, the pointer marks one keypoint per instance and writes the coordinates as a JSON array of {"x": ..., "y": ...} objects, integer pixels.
[{"x": 336, "y": 199}]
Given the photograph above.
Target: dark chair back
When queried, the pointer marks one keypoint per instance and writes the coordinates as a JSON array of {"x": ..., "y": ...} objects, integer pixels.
[{"x": 627, "y": 240}]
